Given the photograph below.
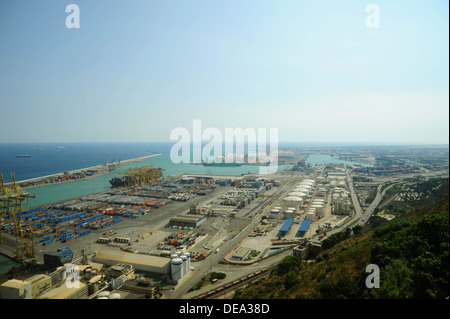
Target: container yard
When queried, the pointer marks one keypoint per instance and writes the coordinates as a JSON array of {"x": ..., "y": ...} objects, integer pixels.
[
  {"x": 198, "y": 215},
  {"x": 108, "y": 217}
]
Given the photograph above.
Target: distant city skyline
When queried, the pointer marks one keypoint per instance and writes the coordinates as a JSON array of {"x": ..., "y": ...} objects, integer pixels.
[{"x": 136, "y": 70}]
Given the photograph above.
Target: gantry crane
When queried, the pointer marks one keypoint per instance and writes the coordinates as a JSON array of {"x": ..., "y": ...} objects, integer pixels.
[
  {"x": 143, "y": 174},
  {"x": 24, "y": 236},
  {"x": 5, "y": 203},
  {"x": 13, "y": 201}
]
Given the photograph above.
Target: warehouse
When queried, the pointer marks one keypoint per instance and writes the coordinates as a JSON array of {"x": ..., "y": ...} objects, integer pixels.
[
  {"x": 188, "y": 220},
  {"x": 286, "y": 226},
  {"x": 303, "y": 227},
  {"x": 241, "y": 253},
  {"x": 139, "y": 262},
  {"x": 79, "y": 291}
]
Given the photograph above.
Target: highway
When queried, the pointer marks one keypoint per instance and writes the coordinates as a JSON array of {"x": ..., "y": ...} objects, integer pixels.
[{"x": 369, "y": 211}]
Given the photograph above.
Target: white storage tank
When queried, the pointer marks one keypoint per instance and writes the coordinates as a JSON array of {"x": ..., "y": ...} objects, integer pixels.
[
  {"x": 103, "y": 295},
  {"x": 297, "y": 194},
  {"x": 188, "y": 261},
  {"x": 289, "y": 214},
  {"x": 114, "y": 296},
  {"x": 318, "y": 208},
  {"x": 305, "y": 190},
  {"x": 274, "y": 213},
  {"x": 310, "y": 216},
  {"x": 292, "y": 199},
  {"x": 176, "y": 268},
  {"x": 321, "y": 179},
  {"x": 184, "y": 268}
]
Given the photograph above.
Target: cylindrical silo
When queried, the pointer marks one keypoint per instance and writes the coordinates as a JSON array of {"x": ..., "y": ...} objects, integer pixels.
[
  {"x": 292, "y": 201},
  {"x": 289, "y": 213},
  {"x": 188, "y": 261},
  {"x": 297, "y": 194},
  {"x": 274, "y": 213},
  {"x": 310, "y": 216},
  {"x": 318, "y": 208},
  {"x": 184, "y": 270},
  {"x": 176, "y": 268},
  {"x": 304, "y": 190},
  {"x": 103, "y": 294}
]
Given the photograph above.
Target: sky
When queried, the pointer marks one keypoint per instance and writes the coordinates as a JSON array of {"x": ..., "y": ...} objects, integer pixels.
[{"x": 136, "y": 70}]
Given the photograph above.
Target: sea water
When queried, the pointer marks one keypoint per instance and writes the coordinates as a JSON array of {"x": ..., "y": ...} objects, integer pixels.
[{"x": 53, "y": 158}]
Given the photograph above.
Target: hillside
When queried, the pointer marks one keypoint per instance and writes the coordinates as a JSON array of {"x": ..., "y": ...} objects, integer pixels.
[{"x": 411, "y": 252}]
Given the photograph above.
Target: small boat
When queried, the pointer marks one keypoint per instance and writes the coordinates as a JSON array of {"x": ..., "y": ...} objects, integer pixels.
[
  {"x": 20, "y": 156},
  {"x": 61, "y": 147},
  {"x": 40, "y": 149}
]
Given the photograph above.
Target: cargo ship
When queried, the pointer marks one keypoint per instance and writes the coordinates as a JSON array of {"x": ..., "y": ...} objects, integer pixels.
[
  {"x": 119, "y": 181},
  {"x": 221, "y": 164},
  {"x": 20, "y": 156}
]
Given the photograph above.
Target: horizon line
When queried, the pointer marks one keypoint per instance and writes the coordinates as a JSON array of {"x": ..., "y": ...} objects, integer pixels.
[{"x": 206, "y": 141}]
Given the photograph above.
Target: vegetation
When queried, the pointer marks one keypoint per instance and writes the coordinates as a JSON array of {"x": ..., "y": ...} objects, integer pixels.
[
  {"x": 412, "y": 253},
  {"x": 372, "y": 195},
  {"x": 208, "y": 279}
]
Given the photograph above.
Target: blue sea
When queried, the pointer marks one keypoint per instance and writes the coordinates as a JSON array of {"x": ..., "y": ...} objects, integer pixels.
[{"x": 52, "y": 158}]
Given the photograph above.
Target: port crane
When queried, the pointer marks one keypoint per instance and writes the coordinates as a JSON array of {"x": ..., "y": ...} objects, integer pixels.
[
  {"x": 14, "y": 200},
  {"x": 5, "y": 203},
  {"x": 143, "y": 174}
]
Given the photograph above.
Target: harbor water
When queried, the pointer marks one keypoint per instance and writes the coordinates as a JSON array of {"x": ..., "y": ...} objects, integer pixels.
[{"x": 52, "y": 158}]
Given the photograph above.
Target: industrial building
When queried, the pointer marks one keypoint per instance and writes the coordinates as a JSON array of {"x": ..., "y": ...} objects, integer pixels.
[
  {"x": 187, "y": 220},
  {"x": 79, "y": 291},
  {"x": 303, "y": 227},
  {"x": 241, "y": 253},
  {"x": 146, "y": 263},
  {"x": 30, "y": 288},
  {"x": 286, "y": 226}
]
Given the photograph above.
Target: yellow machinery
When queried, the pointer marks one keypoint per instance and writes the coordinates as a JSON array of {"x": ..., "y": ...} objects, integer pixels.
[
  {"x": 14, "y": 201},
  {"x": 5, "y": 203},
  {"x": 143, "y": 174}
]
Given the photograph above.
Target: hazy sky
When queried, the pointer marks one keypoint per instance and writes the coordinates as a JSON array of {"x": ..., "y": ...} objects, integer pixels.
[{"x": 136, "y": 70}]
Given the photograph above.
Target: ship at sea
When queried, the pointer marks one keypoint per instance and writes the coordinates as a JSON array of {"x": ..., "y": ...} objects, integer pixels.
[
  {"x": 138, "y": 176},
  {"x": 221, "y": 164},
  {"x": 24, "y": 155}
]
